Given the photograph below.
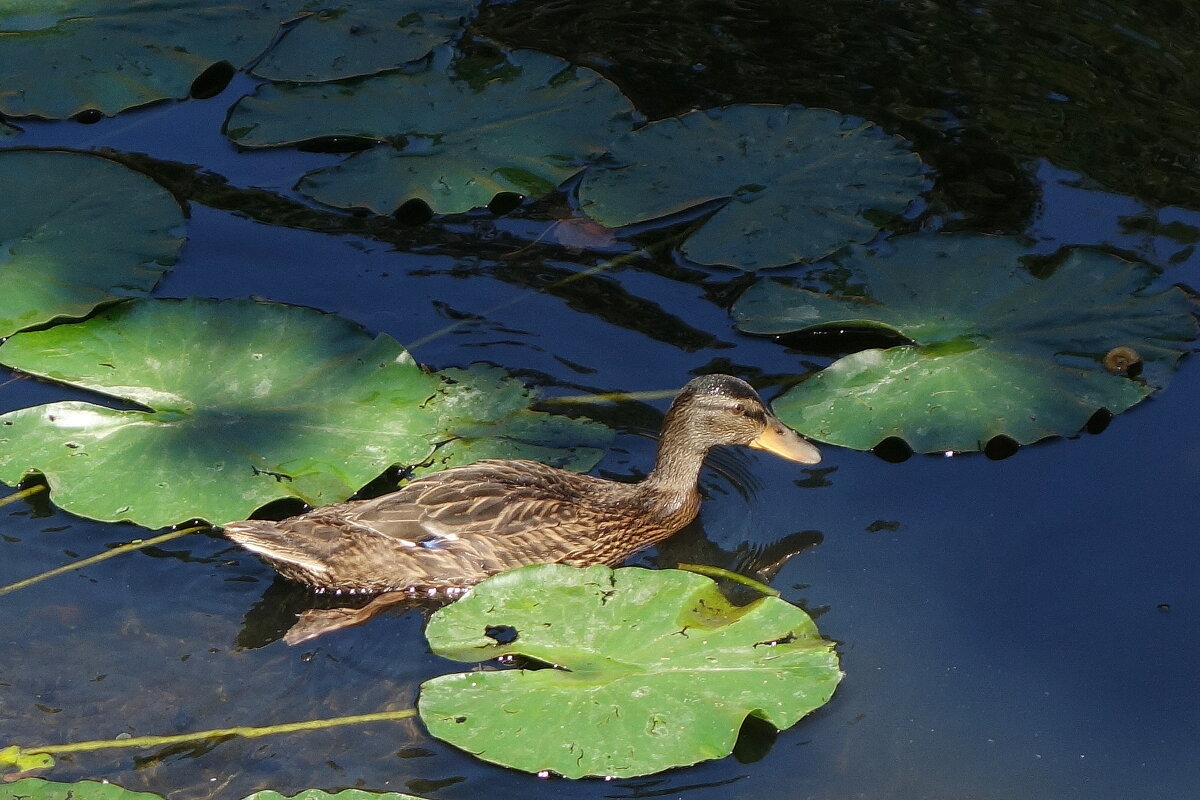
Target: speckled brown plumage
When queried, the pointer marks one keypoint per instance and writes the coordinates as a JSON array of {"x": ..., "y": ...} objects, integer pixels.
[{"x": 453, "y": 528}]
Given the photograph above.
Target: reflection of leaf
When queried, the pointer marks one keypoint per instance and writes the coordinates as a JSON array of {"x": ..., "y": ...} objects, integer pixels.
[
  {"x": 794, "y": 182},
  {"x": 460, "y": 134},
  {"x": 995, "y": 351},
  {"x": 249, "y": 403},
  {"x": 66, "y": 247},
  {"x": 39, "y": 789},
  {"x": 66, "y": 56},
  {"x": 655, "y": 669},
  {"x": 361, "y": 38}
]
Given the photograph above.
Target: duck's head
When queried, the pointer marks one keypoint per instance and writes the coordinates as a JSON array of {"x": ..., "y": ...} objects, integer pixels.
[{"x": 717, "y": 410}]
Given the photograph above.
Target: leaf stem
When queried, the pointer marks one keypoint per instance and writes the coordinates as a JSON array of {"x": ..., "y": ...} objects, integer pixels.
[
  {"x": 729, "y": 575},
  {"x": 137, "y": 544},
  {"x": 22, "y": 494},
  {"x": 424, "y": 340},
  {"x": 244, "y": 731}
]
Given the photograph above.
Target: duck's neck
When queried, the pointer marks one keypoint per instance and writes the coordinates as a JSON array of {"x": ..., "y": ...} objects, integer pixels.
[{"x": 676, "y": 469}]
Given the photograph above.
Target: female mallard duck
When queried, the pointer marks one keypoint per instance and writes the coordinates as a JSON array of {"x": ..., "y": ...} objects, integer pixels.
[{"x": 452, "y": 529}]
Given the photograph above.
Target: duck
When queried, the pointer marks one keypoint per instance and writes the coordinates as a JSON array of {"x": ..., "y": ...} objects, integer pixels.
[{"x": 445, "y": 532}]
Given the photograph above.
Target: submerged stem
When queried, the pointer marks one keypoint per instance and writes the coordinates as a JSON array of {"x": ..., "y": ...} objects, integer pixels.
[
  {"x": 22, "y": 494},
  {"x": 410, "y": 346},
  {"x": 720, "y": 572},
  {"x": 137, "y": 544},
  {"x": 244, "y": 731}
]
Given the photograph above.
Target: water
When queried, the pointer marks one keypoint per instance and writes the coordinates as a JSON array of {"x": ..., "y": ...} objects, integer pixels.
[{"x": 1026, "y": 627}]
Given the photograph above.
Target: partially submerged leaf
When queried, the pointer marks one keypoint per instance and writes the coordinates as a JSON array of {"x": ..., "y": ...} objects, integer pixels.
[
  {"x": 62, "y": 57},
  {"x": 14, "y": 760},
  {"x": 793, "y": 182},
  {"x": 453, "y": 136},
  {"x": 248, "y": 403},
  {"x": 337, "y": 40},
  {"x": 995, "y": 351},
  {"x": 66, "y": 247},
  {"x": 653, "y": 669},
  {"x": 488, "y": 414}
]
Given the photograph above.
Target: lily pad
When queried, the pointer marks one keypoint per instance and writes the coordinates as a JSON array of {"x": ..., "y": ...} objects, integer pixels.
[
  {"x": 40, "y": 789},
  {"x": 995, "y": 351},
  {"x": 62, "y": 57},
  {"x": 247, "y": 403},
  {"x": 794, "y": 184},
  {"x": 66, "y": 247},
  {"x": 456, "y": 134},
  {"x": 653, "y": 669},
  {"x": 489, "y": 414},
  {"x": 342, "y": 40}
]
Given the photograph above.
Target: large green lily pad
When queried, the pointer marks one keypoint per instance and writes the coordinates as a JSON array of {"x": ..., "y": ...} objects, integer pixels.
[
  {"x": 62, "y": 57},
  {"x": 654, "y": 669},
  {"x": 456, "y": 134},
  {"x": 66, "y": 247},
  {"x": 361, "y": 37},
  {"x": 247, "y": 403},
  {"x": 794, "y": 183},
  {"x": 40, "y": 789},
  {"x": 995, "y": 351}
]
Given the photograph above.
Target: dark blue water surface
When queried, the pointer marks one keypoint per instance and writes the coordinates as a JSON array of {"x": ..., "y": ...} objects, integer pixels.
[{"x": 1020, "y": 628}]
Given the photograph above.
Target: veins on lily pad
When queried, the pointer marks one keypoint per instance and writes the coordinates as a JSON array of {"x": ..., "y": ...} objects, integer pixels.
[{"x": 995, "y": 350}]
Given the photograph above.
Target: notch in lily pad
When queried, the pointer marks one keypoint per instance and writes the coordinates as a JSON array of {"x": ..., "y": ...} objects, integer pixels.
[
  {"x": 101, "y": 57},
  {"x": 453, "y": 136},
  {"x": 993, "y": 350},
  {"x": 241, "y": 403},
  {"x": 652, "y": 669},
  {"x": 793, "y": 184}
]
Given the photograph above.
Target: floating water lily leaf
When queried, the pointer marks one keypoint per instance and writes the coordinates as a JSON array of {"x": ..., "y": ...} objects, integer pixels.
[
  {"x": 361, "y": 38},
  {"x": 795, "y": 182},
  {"x": 459, "y": 133},
  {"x": 655, "y": 669},
  {"x": 66, "y": 247},
  {"x": 489, "y": 415},
  {"x": 62, "y": 57},
  {"x": 995, "y": 350},
  {"x": 249, "y": 402},
  {"x": 39, "y": 789}
]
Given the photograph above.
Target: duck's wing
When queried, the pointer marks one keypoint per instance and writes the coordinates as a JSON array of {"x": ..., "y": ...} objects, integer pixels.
[
  {"x": 448, "y": 529},
  {"x": 495, "y": 499}
]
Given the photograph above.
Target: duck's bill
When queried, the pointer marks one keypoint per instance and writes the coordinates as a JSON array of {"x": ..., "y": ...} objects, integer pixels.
[{"x": 781, "y": 440}]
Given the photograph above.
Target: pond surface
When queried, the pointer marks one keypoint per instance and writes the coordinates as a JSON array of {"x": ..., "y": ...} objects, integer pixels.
[{"x": 1014, "y": 628}]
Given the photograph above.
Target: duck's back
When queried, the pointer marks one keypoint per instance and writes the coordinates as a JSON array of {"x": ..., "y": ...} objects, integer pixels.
[{"x": 450, "y": 529}]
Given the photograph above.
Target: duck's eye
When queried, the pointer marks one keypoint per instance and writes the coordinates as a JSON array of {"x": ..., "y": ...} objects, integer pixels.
[{"x": 739, "y": 408}]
